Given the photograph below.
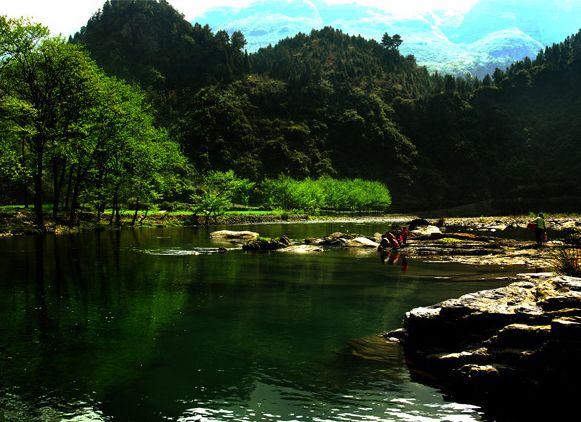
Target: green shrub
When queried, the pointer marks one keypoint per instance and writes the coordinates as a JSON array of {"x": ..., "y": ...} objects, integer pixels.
[
  {"x": 217, "y": 194},
  {"x": 325, "y": 193}
]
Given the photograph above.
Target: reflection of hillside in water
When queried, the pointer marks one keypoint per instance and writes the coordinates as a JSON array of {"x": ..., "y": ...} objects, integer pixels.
[{"x": 90, "y": 324}]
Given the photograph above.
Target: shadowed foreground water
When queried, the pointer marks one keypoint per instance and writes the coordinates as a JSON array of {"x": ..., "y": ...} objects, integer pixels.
[{"x": 147, "y": 325}]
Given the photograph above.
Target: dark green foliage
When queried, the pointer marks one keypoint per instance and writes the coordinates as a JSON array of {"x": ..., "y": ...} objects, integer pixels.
[
  {"x": 517, "y": 137},
  {"x": 151, "y": 43},
  {"x": 329, "y": 104},
  {"x": 391, "y": 43}
]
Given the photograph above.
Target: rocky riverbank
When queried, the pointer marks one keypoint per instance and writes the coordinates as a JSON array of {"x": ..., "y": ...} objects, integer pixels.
[
  {"x": 513, "y": 346},
  {"x": 556, "y": 223},
  {"x": 427, "y": 243},
  {"x": 484, "y": 250}
]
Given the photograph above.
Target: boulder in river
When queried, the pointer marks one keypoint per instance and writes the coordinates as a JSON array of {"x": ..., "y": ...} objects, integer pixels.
[
  {"x": 234, "y": 235},
  {"x": 301, "y": 249},
  {"x": 360, "y": 242},
  {"x": 267, "y": 244},
  {"x": 418, "y": 222},
  {"x": 516, "y": 342},
  {"x": 343, "y": 240},
  {"x": 427, "y": 233}
]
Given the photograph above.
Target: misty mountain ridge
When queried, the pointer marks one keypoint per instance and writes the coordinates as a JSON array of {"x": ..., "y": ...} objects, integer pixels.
[{"x": 493, "y": 33}]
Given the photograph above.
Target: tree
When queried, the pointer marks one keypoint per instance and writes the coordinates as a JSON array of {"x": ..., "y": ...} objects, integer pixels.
[
  {"x": 391, "y": 43},
  {"x": 449, "y": 83},
  {"x": 217, "y": 193},
  {"x": 124, "y": 154},
  {"x": 55, "y": 80},
  {"x": 63, "y": 117},
  {"x": 498, "y": 76},
  {"x": 238, "y": 41}
]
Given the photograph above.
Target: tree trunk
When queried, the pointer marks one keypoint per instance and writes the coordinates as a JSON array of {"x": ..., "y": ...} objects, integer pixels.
[
  {"x": 144, "y": 216},
  {"x": 58, "y": 178},
  {"x": 100, "y": 209},
  {"x": 75, "y": 197},
  {"x": 38, "y": 199},
  {"x": 55, "y": 182},
  {"x": 135, "y": 213},
  {"x": 117, "y": 216},
  {"x": 100, "y": 197},
  {"x": 114, "y": 205},
  {"x": 69, "y": 185},
  {"x": 24, "y": 184}
]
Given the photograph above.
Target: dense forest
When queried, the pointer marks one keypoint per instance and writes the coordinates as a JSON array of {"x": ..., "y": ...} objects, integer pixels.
[{"x": 324, "y": 104}]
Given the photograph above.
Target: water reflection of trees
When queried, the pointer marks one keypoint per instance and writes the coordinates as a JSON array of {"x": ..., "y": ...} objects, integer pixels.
[
  {"x": 271, "y": 319},
  {"x": 87, "y": 317}
]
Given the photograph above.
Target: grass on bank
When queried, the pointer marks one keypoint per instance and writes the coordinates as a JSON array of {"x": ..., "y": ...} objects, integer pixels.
[
  {"x": 7, "y": 209},
  {"x": 568, "y": 261}
]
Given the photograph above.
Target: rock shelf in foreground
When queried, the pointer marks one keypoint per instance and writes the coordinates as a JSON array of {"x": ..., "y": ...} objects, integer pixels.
[{"x": 494, "y": 345}]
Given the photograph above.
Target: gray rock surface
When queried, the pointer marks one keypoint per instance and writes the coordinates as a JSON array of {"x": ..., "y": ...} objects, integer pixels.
[
  {"x": 231, "y": 234},
  {"x": 518, "y": 339}
]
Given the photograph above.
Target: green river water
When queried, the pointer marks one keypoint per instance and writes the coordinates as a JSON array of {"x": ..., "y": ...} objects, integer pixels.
[{"x": 146, "y": 325}]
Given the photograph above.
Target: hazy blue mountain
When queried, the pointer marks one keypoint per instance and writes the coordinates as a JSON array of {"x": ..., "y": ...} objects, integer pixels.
[{"x": 493, "y": 33}]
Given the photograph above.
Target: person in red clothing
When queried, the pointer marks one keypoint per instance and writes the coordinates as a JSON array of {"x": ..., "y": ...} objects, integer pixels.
[
  {"x": 403, "y": 236},
  {"x": 392, "y": 241}
]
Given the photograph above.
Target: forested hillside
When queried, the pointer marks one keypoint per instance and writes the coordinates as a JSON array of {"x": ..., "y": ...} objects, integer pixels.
[{"x": 327, "y": 103}]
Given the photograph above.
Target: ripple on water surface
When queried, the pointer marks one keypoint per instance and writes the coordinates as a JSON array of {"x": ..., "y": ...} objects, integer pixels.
[{"x": 156, "y": 325}]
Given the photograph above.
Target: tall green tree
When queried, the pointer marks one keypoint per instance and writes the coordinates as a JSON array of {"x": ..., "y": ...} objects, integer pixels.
[
  {"x": 56, "y": 81},
  {"x": 93, "y": 136}
]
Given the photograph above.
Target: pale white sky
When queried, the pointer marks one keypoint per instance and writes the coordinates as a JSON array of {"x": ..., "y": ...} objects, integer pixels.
[{"x": 67, "y": 16}]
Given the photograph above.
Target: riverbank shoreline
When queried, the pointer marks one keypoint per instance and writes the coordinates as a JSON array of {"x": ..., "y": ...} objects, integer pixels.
[
  {"x": 21, "y": 222},
  {"x": 499, "y": 348}
]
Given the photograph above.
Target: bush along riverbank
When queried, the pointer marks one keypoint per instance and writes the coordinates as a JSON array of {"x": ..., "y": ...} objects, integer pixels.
[{"x": 506, "y": 348}]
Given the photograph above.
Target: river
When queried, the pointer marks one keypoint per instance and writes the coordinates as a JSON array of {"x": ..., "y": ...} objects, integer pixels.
[{"x": 145, "y": 325}]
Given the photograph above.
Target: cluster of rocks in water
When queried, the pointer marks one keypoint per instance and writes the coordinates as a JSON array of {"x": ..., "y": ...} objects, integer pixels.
[
  {"x": 491, "y": 346},
  {"x": 253, "y": 242},
  {"x": 426, "y": 241}
]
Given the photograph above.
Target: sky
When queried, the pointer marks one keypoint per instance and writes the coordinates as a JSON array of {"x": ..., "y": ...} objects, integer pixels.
[{"x": 67, "y": 16}]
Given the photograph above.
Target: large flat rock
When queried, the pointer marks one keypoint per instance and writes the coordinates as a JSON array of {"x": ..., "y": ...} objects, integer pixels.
[
  {"x": 231, "y": 234},
  {"x": 487, "y": 345}
]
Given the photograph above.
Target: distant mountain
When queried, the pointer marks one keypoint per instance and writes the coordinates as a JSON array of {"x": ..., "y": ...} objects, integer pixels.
[{"x": 493, "y": 33}]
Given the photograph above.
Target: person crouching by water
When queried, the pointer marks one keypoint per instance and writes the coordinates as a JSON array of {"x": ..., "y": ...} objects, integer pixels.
[
  {"x": 541, "y": 229},
  {"x": 403, "y": 236},
  {"x": 384, "y": 243},
  {"x": 388, "y": 240},
  {"x": 387, "y": 246}
]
